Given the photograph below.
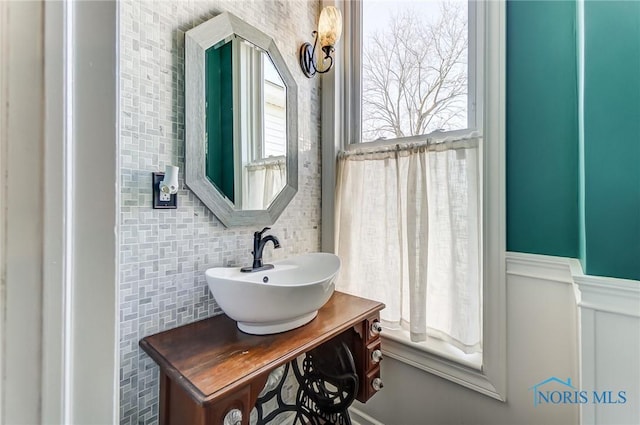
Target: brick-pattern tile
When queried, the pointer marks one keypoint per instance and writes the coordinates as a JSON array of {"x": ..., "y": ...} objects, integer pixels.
[{"x": 163, "y": 253}]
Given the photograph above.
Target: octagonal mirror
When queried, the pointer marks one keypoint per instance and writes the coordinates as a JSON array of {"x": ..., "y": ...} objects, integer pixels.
[{"x": 241, "y": 150}]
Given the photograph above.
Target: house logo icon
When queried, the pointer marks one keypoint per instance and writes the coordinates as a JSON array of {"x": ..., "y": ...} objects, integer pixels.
[{"x": 539, "y": 395}]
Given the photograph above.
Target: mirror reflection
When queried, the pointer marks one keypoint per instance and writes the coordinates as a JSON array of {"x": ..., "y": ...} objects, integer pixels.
[
  {"x": 246, "y": 122},
  {"x": 241, "y": 122}
]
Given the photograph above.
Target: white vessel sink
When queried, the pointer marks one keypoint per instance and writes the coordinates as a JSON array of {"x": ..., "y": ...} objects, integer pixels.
[{"x": 276, "y": 300}]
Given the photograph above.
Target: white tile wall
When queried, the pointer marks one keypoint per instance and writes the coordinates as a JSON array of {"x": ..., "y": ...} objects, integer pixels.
[{"x": 164, "y": 253}]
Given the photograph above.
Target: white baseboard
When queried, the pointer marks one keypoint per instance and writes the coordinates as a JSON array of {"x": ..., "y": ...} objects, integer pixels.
[{"x": 358, "y": 417}]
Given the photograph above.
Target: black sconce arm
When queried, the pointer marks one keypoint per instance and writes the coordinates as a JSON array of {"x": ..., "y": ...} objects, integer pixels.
[{"x": 308, "y": 58}]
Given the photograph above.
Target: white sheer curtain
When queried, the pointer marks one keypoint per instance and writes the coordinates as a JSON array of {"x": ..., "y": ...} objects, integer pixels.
[
  {"x": 264, "y": 180},
  {"x": 407, "y": 223}
]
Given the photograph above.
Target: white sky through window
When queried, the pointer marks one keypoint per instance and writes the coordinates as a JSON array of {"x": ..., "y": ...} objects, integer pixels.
[{"x": 394, "y": 106}]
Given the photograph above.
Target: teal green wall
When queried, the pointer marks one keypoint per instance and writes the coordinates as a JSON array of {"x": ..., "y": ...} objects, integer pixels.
[
  {"x": 219, "y": 113},
  {"x": 573, "y": 169},
  {"x": 542, "y": 128},
  {"x": 612, "y": 138}
]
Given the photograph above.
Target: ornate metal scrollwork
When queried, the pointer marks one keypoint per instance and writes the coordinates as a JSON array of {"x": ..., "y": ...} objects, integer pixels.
[
  {"x": 328, "y": 384},
  {"x": 271, "y": 392},
  {"x": 233, "y": 417}
]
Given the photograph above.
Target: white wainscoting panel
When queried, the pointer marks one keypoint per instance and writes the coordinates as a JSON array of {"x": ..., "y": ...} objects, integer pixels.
[{"x": 610, "y": 347}]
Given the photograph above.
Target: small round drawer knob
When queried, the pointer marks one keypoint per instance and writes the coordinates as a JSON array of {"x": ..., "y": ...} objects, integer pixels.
[
  {"x": 376, "y": 328},
  {"x": 233, "y": 417},
  {"x": 377, "y": 384},
  {"x": 376, "y": 356}
]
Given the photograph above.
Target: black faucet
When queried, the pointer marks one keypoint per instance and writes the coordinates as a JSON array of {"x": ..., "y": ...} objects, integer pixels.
[{"x": 258, "y": 246}]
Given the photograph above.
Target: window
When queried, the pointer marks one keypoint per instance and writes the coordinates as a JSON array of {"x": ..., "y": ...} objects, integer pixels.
[
  {"x": 415, "y": 70},
  {"x": 421, "y": 159},
  {"x": 275, "y": 111}
]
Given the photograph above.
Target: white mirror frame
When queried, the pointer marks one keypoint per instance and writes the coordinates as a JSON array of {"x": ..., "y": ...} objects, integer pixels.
[{"x": 197, "y": 41}]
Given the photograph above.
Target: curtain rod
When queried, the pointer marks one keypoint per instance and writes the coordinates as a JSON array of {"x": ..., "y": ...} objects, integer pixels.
[{"x": 432, "y": 145}]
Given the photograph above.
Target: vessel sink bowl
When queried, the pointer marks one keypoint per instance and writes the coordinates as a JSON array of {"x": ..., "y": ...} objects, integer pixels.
[{"x": 277, "y": 300}]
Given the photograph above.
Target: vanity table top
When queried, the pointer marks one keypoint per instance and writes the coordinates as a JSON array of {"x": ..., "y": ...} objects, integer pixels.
[{"x": 212, "y": 357}]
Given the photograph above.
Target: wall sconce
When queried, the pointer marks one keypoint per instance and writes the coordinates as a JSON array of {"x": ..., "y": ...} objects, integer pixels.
[
  {"x": 165, "y": 188},
  {"x": 329, "y": 32}
]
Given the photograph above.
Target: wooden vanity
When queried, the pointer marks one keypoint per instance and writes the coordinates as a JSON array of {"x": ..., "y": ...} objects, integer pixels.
[{"x": 211, "y": 373}]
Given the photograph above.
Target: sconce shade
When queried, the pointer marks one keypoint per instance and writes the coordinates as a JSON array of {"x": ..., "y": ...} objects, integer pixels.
[{"x": 329, "y": 26}]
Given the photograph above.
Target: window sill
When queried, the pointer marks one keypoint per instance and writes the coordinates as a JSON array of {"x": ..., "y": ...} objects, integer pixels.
[{"x": 440, "y": 359}]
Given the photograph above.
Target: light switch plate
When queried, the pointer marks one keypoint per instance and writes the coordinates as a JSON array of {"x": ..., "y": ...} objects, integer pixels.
[{"x": 160, "y": 199}]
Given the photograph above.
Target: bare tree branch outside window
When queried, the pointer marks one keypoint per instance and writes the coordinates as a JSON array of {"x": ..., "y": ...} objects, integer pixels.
[{"x": 415, "y": 75}]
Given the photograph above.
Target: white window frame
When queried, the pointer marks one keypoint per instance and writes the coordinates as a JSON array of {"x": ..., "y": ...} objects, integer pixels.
[{"x": 339, "y": 100}]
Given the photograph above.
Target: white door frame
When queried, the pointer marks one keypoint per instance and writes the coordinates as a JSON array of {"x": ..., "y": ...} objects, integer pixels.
[
  {"x": 58, "y": 205},
  {"x": 81, "y": 376},
  {"x": 21, "y": 128},
  {"x": 3, "y": 167}
]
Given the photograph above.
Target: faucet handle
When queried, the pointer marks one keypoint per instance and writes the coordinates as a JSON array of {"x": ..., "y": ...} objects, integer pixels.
[{"x": 259, "y": 234}]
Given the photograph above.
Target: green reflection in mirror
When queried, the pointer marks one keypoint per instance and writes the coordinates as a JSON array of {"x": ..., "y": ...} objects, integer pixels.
[
  {"x": 219, "y": 117},
  {"x": 246, "y": 124}
]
